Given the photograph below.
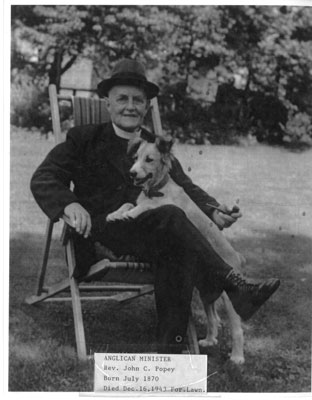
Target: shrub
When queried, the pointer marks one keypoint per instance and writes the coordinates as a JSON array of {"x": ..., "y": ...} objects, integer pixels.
[
  {"x": 298, "y": 128},
  {"x": 29, "y": 104}
]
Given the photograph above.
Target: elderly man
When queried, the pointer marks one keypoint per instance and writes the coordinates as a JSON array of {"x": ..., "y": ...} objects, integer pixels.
[{"x": 95, "y": 158}]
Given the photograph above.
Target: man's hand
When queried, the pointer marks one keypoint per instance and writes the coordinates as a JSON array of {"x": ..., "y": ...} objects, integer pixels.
[
  {"x": 79, "y": 217},
  {"x": 226, "y": 219}
]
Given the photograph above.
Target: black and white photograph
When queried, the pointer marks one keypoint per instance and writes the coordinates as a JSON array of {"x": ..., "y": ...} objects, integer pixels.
[{"x": 160, "y": 213}]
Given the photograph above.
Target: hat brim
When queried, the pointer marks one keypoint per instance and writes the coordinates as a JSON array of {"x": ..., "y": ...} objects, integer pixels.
[{"x": 149, "y": 88}]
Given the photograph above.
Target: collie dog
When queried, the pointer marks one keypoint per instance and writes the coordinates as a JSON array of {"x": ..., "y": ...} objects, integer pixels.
[{"x": 152, "y": 163}]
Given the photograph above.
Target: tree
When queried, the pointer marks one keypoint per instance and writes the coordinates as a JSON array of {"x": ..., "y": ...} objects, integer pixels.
[
  {"x": 125, "y": 32},
  {"x": 59, "y": 34},
  {"x": 273, "y": 43},
  {"x": 180, "y": 45},
  {"x": 192, "y": 44}
]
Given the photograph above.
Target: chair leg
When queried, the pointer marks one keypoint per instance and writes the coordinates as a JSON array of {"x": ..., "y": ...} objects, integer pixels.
[
  {"x": 48, "y": 237},
  {"x": 76, "y": 302}
]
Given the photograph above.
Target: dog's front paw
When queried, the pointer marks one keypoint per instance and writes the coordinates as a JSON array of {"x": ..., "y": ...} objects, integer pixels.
[
  {"x": 112, "y": 217},
  {"x": 126, "y": 207},
  {"x": 128, "y": 215},
  {"x": 118, "y": 215}
]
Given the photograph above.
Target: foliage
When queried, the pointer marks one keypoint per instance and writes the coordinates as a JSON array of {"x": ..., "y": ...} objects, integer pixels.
[
  {"x": 29, "y": 103},
  {"x": 188, "y": 50},
  {"x": 59, "y": 34},
  {"x": 299, "y": 128},
  {"x": 273, "y": 44}
]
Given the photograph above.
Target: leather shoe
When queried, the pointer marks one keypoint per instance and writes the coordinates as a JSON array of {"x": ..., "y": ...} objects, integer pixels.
[{"x": 248, "y": 297}]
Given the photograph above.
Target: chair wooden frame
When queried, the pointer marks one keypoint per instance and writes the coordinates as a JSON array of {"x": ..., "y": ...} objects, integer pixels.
[{"x": 90, "y": 110}]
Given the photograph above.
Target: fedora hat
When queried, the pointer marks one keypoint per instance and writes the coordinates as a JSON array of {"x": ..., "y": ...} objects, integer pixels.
[{"x": 128, "y": 72}]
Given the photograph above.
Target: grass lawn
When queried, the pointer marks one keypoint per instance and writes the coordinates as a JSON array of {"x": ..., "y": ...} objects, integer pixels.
[{"x": 273, "y": 187}]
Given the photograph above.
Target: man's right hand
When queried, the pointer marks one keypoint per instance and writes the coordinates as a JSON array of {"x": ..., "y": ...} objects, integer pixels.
[{"x": 79, "y": 218}]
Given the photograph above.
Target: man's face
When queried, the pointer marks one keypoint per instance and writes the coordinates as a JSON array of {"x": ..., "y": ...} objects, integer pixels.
[{"x": 127, "y": 106}]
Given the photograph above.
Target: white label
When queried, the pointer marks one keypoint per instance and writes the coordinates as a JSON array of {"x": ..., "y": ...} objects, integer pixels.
[{"x": 150, "y": 373}]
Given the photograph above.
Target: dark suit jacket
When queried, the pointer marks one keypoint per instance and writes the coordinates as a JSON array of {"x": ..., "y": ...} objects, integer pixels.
[{"x": 96, "y": 161}]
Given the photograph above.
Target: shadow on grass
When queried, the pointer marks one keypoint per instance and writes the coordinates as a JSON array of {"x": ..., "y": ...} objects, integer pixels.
[
  {"x": 42, "y": 342},
  {"x": 297, "y": 147}
]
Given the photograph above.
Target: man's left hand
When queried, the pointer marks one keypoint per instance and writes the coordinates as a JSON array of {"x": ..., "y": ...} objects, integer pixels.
[{"x": 225, "y": 220}]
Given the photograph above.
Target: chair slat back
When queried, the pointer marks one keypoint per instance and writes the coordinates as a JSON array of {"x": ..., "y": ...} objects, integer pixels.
[
  {"x": 89, "y": 111},
  {"x": 156, "y": 117}
]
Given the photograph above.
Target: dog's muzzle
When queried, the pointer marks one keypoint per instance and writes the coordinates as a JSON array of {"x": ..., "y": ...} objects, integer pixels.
[{"x": 140, "y": 181}]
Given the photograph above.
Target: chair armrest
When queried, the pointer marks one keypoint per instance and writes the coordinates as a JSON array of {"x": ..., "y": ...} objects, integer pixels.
[
  {"x": 67, "y": 221},
  {"x": 68, "y": 226}
]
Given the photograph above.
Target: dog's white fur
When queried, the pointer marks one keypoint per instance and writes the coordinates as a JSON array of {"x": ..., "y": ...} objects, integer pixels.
[{"x": 152, "y": 163}]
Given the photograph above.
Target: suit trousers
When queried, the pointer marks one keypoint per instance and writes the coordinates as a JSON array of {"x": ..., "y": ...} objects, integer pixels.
[{"x": 183, "y": 258}]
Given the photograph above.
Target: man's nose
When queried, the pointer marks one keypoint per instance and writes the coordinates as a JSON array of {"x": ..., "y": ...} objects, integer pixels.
[{"x": 130, "y": 104}]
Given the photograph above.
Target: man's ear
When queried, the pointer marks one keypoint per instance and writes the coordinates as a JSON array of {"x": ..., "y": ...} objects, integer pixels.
[
  {"x": 164, "y": 144},
  {"x": 133, "y": 146}
]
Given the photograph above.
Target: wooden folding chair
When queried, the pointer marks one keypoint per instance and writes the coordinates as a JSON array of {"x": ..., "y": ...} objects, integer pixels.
[{"x": 126, "y": 278}]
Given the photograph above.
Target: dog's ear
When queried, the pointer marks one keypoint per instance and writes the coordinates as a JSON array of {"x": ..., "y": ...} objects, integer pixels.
[
  {"x": 133, "y": 146},
  {"x": 164, "y": 144}
]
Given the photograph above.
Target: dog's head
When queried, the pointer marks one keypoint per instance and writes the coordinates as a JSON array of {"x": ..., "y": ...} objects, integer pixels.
[{"x": 152, "y": 161}]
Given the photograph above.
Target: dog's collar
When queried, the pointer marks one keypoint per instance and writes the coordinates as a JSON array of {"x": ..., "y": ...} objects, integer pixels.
[{"x": 154, "y": 191}]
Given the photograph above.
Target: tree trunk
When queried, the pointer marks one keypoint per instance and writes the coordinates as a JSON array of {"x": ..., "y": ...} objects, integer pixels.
[{"x": 55, "y": 71}]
